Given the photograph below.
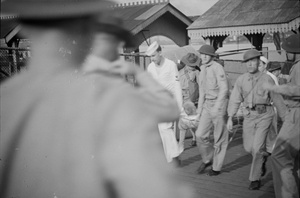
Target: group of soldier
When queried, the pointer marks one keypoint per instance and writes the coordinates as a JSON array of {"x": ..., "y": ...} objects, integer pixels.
[
  {"x": 71, "y": 127},
  {"x": 262, "y": 100}
]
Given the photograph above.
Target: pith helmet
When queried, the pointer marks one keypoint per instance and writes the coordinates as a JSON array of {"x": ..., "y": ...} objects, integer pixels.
[
  {"x": 53, "y": 9},
  {"x": 292, "y": 44},
  {"x": 208, "y": 50},
  {"x": 250, "y": 54}
]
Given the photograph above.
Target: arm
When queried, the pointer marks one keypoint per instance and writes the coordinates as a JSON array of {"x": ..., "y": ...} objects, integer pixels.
[
  {"x": 236, "y": 98},
  {"x": 177, "y": 86},
  {"x": 150, "y": 90},
  {"x": 223, "y": 87},
  {"x": 290, "y": 89},
  {"x": 131, "y": 152},
  {"x": 201, "y": 91}
]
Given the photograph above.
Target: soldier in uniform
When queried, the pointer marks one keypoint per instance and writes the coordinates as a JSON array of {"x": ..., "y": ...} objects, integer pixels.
[
  {"x": 212, "y": 105},
  {"x": 258, "y": 113},
  {"x": 189, "y": 81},
  {"x": 67, "y": 133},
  {"x": 285, "y": 156}
]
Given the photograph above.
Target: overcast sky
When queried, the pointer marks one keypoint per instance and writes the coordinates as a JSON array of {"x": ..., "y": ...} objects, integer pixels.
[{"x": 188, "y": 7}]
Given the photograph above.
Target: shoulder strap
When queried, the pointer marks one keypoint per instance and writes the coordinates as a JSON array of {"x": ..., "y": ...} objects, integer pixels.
[{"x": 254, "y": 85}]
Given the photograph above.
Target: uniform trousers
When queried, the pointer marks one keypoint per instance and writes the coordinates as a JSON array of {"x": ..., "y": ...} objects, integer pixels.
[
  {"x": 285, "y": 157},
  {"x": 255, "y": 130},
  {"x": 215, "y": 151},
  {"x": 272, "y": 134}
]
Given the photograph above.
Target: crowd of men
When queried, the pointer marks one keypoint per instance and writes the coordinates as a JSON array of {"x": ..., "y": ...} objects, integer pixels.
[{"x": 72, "y": 127}]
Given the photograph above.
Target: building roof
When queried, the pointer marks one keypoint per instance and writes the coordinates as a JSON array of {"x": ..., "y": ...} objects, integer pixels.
[
  {"x": 228, "y": 17},
  {"x": 9, "y": 27},
  {"x": 138, "y": 15}
]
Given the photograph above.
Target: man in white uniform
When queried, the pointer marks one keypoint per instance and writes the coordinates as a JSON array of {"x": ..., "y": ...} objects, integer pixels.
[{"x": 166, "y": 73}]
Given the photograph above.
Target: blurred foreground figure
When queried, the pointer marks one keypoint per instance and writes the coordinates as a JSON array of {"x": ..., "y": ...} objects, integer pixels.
[
  {"x": 285, "y": 156},
  {"x": 68, "y": 133}
]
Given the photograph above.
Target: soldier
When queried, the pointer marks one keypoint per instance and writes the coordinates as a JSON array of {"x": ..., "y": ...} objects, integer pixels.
[
  {"x": 189, "y": 81},
  {"x": 67, "y": 133},
  {"x": 285, "y": 156},
  {"x": 212, "y": 105},
  {"x": 166, "y": 73},
  {"x": 258, "y": 113}
]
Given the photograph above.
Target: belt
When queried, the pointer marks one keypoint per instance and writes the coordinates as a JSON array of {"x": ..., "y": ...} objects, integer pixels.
[{"x": 256, "y": 105}]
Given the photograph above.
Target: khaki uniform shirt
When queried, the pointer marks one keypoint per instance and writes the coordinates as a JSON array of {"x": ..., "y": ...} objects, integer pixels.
[
  {"x": 213, "y": 85},
  {"x": 248, "y": 89}
]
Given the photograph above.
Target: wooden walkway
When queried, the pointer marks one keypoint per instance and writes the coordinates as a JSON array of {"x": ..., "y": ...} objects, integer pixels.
[{"x": 233, "y": 181}]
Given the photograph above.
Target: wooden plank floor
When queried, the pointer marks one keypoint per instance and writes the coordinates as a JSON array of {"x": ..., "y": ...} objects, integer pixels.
[{"x": 233, "y": 181}]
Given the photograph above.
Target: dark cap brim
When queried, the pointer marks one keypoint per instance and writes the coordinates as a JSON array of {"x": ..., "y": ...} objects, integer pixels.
[{"x": 186, "y": 62}]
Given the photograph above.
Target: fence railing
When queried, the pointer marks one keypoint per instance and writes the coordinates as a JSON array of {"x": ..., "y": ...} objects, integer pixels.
[{"x": 13, "y": 60}]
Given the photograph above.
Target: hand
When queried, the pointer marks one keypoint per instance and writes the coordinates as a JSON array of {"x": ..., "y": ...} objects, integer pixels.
[
  {"x": 230, "y": 125},
  {"x": 124, "y": 68}
]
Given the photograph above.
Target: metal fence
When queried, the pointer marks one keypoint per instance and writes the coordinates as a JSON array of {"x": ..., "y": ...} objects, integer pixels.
[{"x": 12, "y": 61}]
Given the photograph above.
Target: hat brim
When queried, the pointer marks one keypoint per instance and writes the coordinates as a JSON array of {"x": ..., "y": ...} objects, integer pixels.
[
  {"x": 54, "y": 9},
  {"x": 186, "y": 62},
  {"x": 274, "y": 69},
  {"x": 210, "y": 54},
  {"x": 291, "y": 50},
  {"x": 250, "y": 58}
]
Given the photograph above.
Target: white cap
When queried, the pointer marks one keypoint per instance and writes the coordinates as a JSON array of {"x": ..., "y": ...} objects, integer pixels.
[
  {"x": 152, "y": 48},
  {"x": 264, "y": 59}
]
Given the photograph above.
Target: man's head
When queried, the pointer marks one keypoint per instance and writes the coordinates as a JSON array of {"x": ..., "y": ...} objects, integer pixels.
[
  {"x": 252, "y": 60},
  {"x": 292, "y": 47},
  {"x": 275, "y": 68},
  {"x": 263, "y": 64},
  {"x": 191, "y": 60},
  {"x": 110, "y": 37},
  {"x": 68, "y": 25},
  {"x": 207, "y": 53},
  {"x": 154, "y": 51}
]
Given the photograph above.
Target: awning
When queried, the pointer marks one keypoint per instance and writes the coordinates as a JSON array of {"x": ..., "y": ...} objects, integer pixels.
[{"x": 249, "y": 29}]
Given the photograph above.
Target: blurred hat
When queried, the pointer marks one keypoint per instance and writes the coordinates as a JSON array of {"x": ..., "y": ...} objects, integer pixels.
[
  {"x": 114, "y": 25},
  {"x": 191, "y": 59},
  {"x": 208, "y": 50},
  {"x": 53, "y": 9},
  {"x": 292, "y": 43},
  {"x": 264, "y": 60},
  {"x": 250, "y": 54},
  {"x": 152, "y": 48},
  {"x": 274, "y": 66}
]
